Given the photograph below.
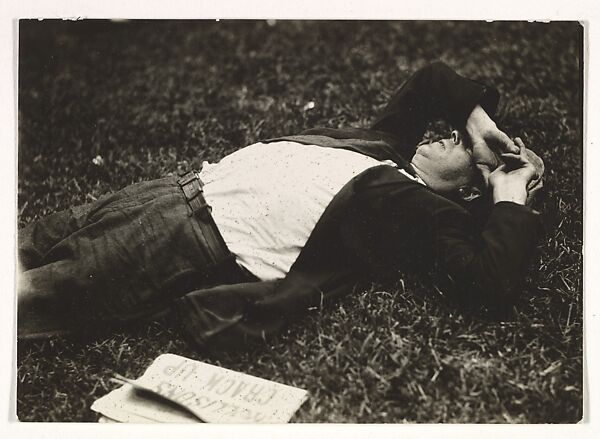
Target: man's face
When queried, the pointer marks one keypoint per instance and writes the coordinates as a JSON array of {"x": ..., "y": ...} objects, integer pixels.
[{"x": 445, "y": 165}]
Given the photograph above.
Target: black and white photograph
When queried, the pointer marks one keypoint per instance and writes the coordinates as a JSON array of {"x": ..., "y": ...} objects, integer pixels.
[{"x": 294, "y": 220}]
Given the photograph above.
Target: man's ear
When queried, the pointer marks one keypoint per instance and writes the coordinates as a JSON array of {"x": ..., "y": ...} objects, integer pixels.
[{"x": 469, "y": 193}]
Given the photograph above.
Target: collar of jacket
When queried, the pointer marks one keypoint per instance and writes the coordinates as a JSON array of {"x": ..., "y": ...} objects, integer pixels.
[{"x": 375, "y": 144}]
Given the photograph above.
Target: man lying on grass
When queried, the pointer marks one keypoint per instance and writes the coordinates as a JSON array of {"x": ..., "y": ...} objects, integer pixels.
[{"x": 236, "y": 250}]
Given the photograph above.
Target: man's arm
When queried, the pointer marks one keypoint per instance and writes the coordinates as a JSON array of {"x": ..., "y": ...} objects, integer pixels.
[
  {"x": 406, "y": 224},
  {"x": 488, "y": 269},
  {"x": 212, "y": 314},
  {"x": 232, "y": 315},
  {"x": 487, "y": 141}
]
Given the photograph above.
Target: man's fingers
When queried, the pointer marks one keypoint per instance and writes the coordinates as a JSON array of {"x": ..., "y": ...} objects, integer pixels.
[
  {"x": 501, "y": 168},
  {"x": 514, "y": 158},
  {"x": 509, "y": 145},
  {"x": 486, "y": 171},
  {"x": 519, "y": 142}
]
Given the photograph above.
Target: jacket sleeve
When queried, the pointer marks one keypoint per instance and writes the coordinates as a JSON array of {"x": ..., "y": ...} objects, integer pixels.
[
  {"x": 433, "y": 92},
  {"x": 232, "y": 315},
  {"x": 488, "y": 269},
  {"x": 219, "y": 313},
  {"x": 423, "y": 231}
]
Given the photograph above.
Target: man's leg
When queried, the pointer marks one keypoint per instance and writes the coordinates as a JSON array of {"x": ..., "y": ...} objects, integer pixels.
[
  {"x": 127, "y": 258},
  {"x": 41, "y": 312},
  {"x": 37, "y": 238}
]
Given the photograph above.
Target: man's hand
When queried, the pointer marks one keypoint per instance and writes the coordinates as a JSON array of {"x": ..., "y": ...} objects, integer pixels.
[
  {"x": 487, "y": 140},
  {"x": 510, "y": 180}
]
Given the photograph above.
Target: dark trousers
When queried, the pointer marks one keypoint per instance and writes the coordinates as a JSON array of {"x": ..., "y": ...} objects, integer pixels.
[{"x": 123, "y": 257}]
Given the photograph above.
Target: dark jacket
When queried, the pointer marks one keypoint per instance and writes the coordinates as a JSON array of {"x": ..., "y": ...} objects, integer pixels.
[{"x": 382, "y": 222}]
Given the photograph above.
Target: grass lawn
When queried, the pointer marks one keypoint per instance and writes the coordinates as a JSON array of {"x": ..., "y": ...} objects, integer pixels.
[{"x": 152, "y": 97}]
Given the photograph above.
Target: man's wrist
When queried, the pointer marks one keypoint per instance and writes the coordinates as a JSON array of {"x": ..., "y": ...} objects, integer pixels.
[
  {"x": 478, "y": 123},
  {"x": 513, "y": 193}
]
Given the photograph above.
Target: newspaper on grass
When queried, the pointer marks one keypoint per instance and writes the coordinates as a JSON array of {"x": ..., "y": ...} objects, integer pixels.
[{"x": 179, "y": 390}]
